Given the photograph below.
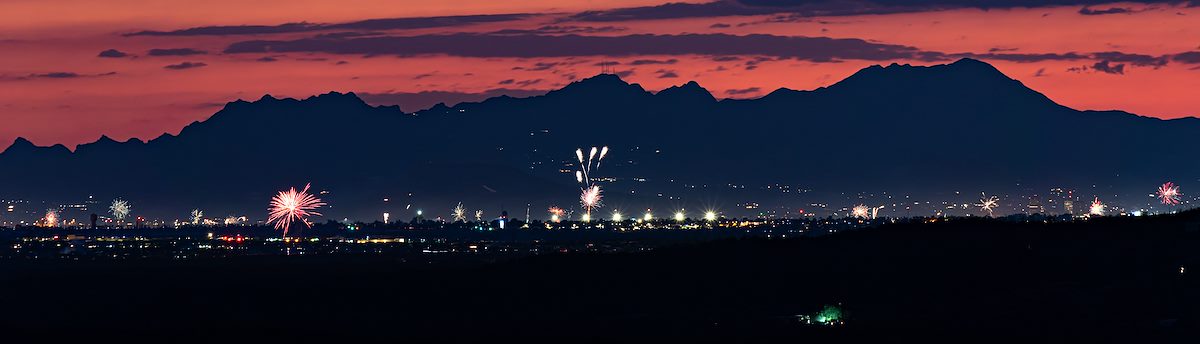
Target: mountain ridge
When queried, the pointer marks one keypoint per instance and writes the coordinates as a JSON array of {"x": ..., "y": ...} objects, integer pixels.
[{"x": 919, "y": 131}]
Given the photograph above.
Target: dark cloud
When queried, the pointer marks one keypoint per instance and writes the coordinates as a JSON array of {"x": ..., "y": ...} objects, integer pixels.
[
  {"x": 1139, "y": 60},
  {"x": 1102, "y": 67},
  {"x": 112, "y": 53},
  {"x": 1105, "y": 67},
  {"x": 743, "y": 91},
  {"x": 666, "y": 74},
  {"x": 813, "y": 8},
  {"x": 267, "y": 59},
  {"x": 719, "y": 26},
  {"x": 56, "y": 75},
  {"x": 424, "y": 75},
  {"x": 185, "y": 65},
  {"x": 426, "y": 99},
  {"x": 506, "y": 82},
  {"x": 529, "y": 82},
  {"x": 562, "y": 29},
  {"x": 818, "y": 49},
  {"x": 1191, "y": 57},
  {"x": 725, "y": 58},
  {"x": 1040, "y": 73},
  {"x": 176, "y": 52},
  {"x": 370, "y": 24},
  {"x": 652, "y": 62},
  {"x": 1088, "y": 11}
]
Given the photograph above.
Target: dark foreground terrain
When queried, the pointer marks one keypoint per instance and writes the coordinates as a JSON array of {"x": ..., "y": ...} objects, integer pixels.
[{"x": 1103, "y": 279}]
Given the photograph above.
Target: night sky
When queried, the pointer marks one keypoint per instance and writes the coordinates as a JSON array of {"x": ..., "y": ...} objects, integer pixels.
[{"x": 75, "y": 69}]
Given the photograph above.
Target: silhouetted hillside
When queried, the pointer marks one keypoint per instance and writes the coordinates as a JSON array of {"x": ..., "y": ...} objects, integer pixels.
[{"x": 928, "y": 132}]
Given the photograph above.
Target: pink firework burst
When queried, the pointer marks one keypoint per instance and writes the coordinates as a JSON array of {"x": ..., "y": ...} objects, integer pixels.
[
  {"x": 290, "y": 205},
  {"x": 591, "y": 198},
  {"x": 1169, "y": 194}
]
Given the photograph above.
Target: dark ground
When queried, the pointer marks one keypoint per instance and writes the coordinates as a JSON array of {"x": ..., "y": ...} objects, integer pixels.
[{"x": 1103, "y": 280}]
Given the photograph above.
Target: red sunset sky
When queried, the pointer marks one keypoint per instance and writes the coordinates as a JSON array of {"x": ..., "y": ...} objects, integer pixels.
[{"x": 72, "y": 70}]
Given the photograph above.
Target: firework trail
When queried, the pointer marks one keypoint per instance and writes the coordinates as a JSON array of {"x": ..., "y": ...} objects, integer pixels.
[
  {"x": 459, "y": 213},
  {"x": 1097, "y": 207},
  {"x": 590, "y": 192},
  {"x": 119, "y": 209},
  {"x": 988, "y": 203},
  {"x": 197, "y": 216},
  {"x": 1169, "y": 194},
  {"x": 51, "y": 218},
  {"x": 290, "y": 205}
]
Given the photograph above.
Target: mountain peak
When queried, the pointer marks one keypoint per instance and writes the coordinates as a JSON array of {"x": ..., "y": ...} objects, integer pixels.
[
  {"x": 19, "y": 144},
  {"x": 691, "y": 91},
  {"x": 601, "y": 85}
]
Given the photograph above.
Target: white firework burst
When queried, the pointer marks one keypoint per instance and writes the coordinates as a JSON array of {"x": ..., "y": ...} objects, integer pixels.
[
  {"x": 988, "y": 204},
  {"x": 459, "y": 213},
  {"x": 119, "y": 209},
  {"x": 197, "y": 216},
  {"x": 479, "y": 215}
]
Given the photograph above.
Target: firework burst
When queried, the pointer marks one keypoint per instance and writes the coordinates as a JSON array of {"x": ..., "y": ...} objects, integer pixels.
[
  {"x": 479, "y": 215},
  {"x": 197, "y": 216},
  {"x": 51, "y": 218},
  {"x": 1169, "y": 194},
  {"x": 988, "y": 204},
  {"x": 556, "y": 214},
  {"x": 459, "y": 213},
  {"x": 860, "y": 211},
  {"x": 290, "y": 206},
  {"x": 1097, "y": 207},
  {"x": 119, "y": 209},
  {"x": 590, "y": 194}
]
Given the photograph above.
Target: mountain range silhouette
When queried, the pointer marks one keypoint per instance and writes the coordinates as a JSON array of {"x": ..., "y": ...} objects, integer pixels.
[{"x": 889, "y": 134}]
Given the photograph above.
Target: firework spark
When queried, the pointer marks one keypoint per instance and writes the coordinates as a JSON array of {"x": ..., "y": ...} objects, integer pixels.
[
  {"x": 51, "y": 218},
  {"x": 988, "y": 204},
  {"x": 1169, "y": 194},
  {"x": 479, "y": 215},
  {"x": 290, "y": 205},
  {"x": 1097, "y": 207},
  {"x": 119, "y": 209},
  {"x": 459, "y": 213},
  {"x": 197, "y": 216}
]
